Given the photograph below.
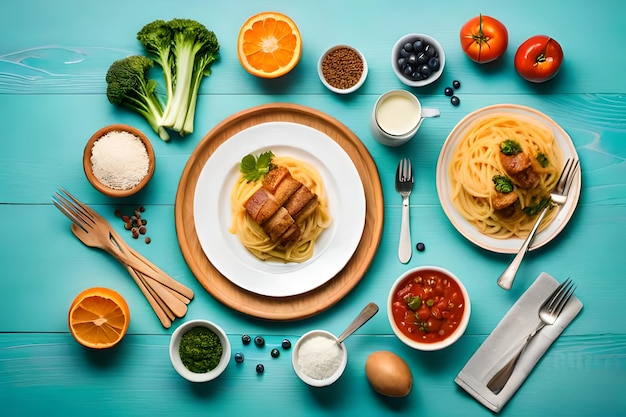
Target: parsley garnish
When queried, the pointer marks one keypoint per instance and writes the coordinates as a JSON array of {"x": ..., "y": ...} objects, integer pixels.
[
  {"x": 253, "y": 168},
  {"x": 510, "y": 147},
  {"x": 536, "y": 208},
  {"x": 502, "y": 184},
  {"x": 542, "y": 159}
]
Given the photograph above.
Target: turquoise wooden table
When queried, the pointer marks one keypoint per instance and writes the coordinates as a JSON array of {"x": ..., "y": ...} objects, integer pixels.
[{"x": 53, "y": 57}]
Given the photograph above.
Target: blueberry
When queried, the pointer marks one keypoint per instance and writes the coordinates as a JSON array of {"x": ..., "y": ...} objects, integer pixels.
[
  {"x": 456, "y": 84},
  {"x": 455, "y": 100},
  {"x": 420, "y": 247},
  {"x": 408, "y": 47},
  {"x": 425, "y": 70},
  {"x": 412, "y": 60},
  {"x": 259, "y": 341},
  {"x": 245, "y": 339},
  {"x": 418, "y": 45},
  {"x": 401, "y": 62},
  {"x": 239, "y": 357},
  {"x": 260, "y": 368},
  {"x": 275, "y": 353},
  {"x": 422, "y": 58},
  {"x": 407, "y": 69},
  {"x": 286, "y": 344},
  {"x": 430, "y": 51},
  {"x": 404, "y": 53},
  {"x": 433, "y": 63},
  {"x": 448, "y": 91}
]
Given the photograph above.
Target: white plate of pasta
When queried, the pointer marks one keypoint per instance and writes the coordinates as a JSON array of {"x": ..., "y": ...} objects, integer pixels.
[
  {"x": 214, "y": 215},
  {"x": 468, "y": 162}
]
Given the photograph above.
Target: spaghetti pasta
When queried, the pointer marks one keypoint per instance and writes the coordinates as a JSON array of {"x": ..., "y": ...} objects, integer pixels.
[
  {"x": 476, "y": 161},
  {"x": 251, "y": 234}
]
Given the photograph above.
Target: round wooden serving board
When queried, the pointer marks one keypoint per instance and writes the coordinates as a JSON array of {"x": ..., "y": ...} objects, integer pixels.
[{"x": 302, "y": 305}]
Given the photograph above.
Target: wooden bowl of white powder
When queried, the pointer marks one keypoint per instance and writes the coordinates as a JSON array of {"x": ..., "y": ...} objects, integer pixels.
[
  {"x": 318, "y": 358},
  {"x": 118, "y": 160}
]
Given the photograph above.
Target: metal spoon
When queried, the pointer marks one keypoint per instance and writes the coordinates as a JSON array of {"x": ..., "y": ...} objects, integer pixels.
[{"x": 367, "y": 313}]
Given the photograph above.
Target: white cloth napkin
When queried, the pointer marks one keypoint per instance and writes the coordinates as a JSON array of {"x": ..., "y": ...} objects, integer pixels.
[{"x": 507, "y": 338}]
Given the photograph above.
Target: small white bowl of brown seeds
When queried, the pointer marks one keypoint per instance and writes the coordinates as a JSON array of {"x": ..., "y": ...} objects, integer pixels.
[{"x": 342, "y": 69}]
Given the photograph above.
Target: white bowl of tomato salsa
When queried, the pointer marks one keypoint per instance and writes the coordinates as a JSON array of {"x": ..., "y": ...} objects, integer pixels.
[{"x": 428, "y": 308}]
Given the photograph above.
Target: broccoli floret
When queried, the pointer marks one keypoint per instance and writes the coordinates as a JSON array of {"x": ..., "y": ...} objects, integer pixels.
[
  {"x": 194, "y": 48},
  {"x": 128, "y": 85}
]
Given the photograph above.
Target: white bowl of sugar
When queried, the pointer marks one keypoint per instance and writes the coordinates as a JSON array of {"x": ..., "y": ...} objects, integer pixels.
[{"x": 318, "y": 358}]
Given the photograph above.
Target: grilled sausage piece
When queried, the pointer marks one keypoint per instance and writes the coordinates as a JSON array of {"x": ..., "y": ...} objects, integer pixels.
[{"x": 520, "y": 169}]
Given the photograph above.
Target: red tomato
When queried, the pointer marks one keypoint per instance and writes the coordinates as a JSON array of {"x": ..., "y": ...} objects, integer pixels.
[
  {"x": 484, "y": 39},
  {"x": 538, "y": 59}
]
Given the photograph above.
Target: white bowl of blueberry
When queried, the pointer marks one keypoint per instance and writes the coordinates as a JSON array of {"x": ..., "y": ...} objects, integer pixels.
[{"x": 418, "y": 59}]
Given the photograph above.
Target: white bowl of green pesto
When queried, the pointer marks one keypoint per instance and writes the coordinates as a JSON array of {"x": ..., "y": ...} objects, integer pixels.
[{"x": 199, "y": 350}]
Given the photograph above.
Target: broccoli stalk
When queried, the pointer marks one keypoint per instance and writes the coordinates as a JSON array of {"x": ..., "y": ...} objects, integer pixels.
[
  {"x": 194, "y": 48},
  {"x": 156, "y": 38},
  {"x": 202, "y": 68},
  {"x": 128, "y": 86}
]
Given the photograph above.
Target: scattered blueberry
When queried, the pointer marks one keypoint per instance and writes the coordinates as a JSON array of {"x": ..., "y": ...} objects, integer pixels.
[
  {"x": 260, "y": 368},
  {"x": 455, "y": 100},
  {"x": 420, "y": 247},
  {"x": 448, "y": 91},
  {"x": 239, "y": 357},
  {"x": 245, "y": 339},
  {"x": 275, "y": 353},
  {"x": 259, "y": 341},
  {"x": 456, "y": 84},
  {"x": 286, "y": 344}
]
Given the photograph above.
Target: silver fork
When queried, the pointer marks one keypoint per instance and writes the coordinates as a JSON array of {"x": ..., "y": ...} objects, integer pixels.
[
  {"x": 548, "y": 313},
  {"x": 404, "y": 185},
  {"x": 558, "y": 197}
]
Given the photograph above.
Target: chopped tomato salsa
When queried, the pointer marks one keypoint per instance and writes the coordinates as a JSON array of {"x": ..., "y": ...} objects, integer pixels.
[{"x": 428, "y": 306}]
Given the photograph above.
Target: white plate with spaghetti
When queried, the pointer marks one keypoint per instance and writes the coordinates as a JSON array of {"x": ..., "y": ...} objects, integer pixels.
[
  {"x": 444, "y": 186},
  {"x": 333, "y": 248}
]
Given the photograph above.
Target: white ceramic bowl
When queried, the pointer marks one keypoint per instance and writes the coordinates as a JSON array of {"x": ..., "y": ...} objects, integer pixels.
[
  {"x": 347, "y": 89},
  {"x": 450, "y": 338},
  {"x": 309, "y": 379},
  {"x": 177, "y": 362},
  {"x": 410, "y": 38}
]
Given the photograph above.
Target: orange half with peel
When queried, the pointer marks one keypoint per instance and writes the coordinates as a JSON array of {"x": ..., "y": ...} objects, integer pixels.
[
  {"x": 269, "y": 45},
  {"x": 99, "y": 318}
]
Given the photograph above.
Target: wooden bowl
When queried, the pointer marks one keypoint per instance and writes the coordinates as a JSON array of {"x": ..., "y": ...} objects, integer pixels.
[{"x": 97, "y": 180}]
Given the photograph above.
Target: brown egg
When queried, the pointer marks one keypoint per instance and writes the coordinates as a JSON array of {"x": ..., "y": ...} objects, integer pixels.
[{"x": 388, "y": 374}]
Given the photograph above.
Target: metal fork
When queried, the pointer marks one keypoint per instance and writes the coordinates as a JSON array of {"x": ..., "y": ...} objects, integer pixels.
[
  {"x": 404, "y": 185},
  {"x": 558, "y": 197},
  {"x": 548, "y": 313}
]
